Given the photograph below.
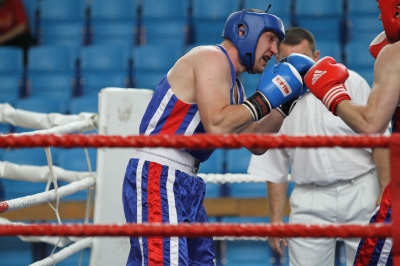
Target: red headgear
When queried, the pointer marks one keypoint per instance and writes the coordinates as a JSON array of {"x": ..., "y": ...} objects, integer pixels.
[{"x": 390, "y": 14}]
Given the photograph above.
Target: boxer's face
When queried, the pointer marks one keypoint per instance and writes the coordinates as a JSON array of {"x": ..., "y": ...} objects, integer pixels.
[{"x": 267, "y": 47}]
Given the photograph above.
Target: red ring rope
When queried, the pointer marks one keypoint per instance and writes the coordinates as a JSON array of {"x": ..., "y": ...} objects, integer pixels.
[
  {"x": 201, "y": 230},
  {"x": 201, "y": 141}
]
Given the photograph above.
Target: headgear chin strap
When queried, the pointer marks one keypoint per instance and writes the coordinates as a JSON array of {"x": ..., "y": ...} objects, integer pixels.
[
  {"x": 251, "y": 25},
  {"x": 390, "y": 15}
]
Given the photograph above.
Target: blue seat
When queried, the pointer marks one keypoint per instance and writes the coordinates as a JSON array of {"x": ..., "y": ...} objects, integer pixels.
[
  {"x": 238, "y": 160},
  {"x": 209, "y": 19},
  {"x": 148, "y": 57},
  {"x": 75, "y": 159},
  {"x": 24, "y": 156},
  {"x": 214, "y": 164},
  {"x": 169, "y": 32},
  {"x": 214, "y": 10},
  {"x": 248, "y": 190},
  {"x": 92, "y": 83},
  {"x": 42, "y": 105},
  {"x": 60, "y": 11},
  {"x": 103, "y": 62},
  {"x": 81, "y": 104},
  {"x": 148, "y": 69},
  {"x": 280, "y": 8},
  {"x": 52, "y": 59},
  {"x": 329, "y": 48},
  {"x": 11, "y": 60},
  {"x": 9, "y": 88},
  {"x": 70, "y": 33},
  {"x": 165, "y": 10},
  {"x": 112, "y": 11},
  {"x": 327, "y": 28},
  {"x": 365, "y": 28},
  {"x": 15, "y": 251},
  {"x": 318, "y": 8},
  {"x": 358, "y": 55},
  {"x": 251, "y": 252},
  {"x": 55, "y": 85},
  {"x": 104, "y": 32},
  {"x": 367, "y": 8}
]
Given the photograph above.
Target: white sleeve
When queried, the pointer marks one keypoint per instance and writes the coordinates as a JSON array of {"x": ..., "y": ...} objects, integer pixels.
[{"x": 272, "y": 166}]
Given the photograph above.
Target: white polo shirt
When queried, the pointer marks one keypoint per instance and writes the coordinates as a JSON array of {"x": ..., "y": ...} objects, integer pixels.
[{"x": 320, "y": 166}]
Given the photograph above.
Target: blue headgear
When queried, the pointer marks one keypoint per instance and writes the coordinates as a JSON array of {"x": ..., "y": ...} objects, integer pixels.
[{"x": 251, "y": 24}]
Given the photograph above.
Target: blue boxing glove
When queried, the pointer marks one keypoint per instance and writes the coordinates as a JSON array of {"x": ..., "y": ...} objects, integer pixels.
[
  {"x": 302, "y": 63},
  {"x": 277, "y": 85}
]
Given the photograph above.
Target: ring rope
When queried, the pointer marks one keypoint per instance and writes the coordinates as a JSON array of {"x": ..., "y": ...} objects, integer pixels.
[
  {"x": 201, "y": 230},
  {"x": 46, "y": 196},
  {"x": 196, "y": 141},
  {"x": 65, "y": 253}
]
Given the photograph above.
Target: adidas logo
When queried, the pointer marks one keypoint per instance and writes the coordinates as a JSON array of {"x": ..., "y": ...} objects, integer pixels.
[{"x": 317, "y": 75}]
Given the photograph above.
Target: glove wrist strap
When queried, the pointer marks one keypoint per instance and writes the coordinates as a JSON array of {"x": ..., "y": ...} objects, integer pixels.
[{"x": 258, "y": 105}]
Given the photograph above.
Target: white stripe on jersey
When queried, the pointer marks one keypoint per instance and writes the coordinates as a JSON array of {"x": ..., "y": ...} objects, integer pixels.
[
  {"x": 193, "y": 124},
  {"x": 156, "y": 117},
  {"x": 387, "y": 247},
  {"x": 173, "y": 217},
  {"x": 139, "y": 201}
]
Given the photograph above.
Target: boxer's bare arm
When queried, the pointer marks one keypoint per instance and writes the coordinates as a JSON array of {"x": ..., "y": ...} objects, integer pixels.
[{"x": 375, "y": 116}]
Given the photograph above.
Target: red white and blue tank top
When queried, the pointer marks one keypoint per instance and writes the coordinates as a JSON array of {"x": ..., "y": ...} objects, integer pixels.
[{"x": 166, "y": 114}]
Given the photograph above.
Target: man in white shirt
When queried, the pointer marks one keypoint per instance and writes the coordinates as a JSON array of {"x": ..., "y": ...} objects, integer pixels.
[{"x": 334, "y": 185}]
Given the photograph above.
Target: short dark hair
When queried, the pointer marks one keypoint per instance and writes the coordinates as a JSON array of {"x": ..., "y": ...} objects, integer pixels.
[{"x": 295, "y": 35}]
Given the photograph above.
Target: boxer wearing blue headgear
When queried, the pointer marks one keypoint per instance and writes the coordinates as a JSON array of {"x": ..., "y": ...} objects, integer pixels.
[
  {"x": 200, "y": 94},
  {"x": 243, "y": 29}
]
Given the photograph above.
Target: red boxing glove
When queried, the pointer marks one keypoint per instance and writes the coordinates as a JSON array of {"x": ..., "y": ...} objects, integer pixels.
[
  {"x": 326, "y": 81},
  {"x": 377, "y": 44}
]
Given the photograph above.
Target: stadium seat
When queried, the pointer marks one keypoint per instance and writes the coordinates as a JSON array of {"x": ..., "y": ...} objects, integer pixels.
[
  {"x": 329, "y": 48},
  {"x": 165, "y": 32},
  {"x": 327, "y": 28},
  {"x": 15, "y": 251},
  {"x": 319, "y": 9},
  {"x": 25, "y": 156},
  {"x": 215, "y": 164},
  {"x": 280, "y": 8},
  {"x": 81, "y": 104},
  {"x": 252, "y": 252},
  {"x": 165, "y": 10},
  {"x": 365, "y": 28},
  {"x": 41, "y": 104},
  {"x": 60, "y": 11},
  {"x": 113, "y": 33},
  {"x": 11, "y": 60},
  {"x": 103, "y": 66},
  {"x": 74, "y": 159},
  {"x": 92, "y": 82},
  {"x": 368, "y": 8},
  {"x": 54, "y": 85},
  {"x": 62, "y": 34},
  {"x": 358, "y": 56},
  {"x": 113, "y": 11},
  {"x": 209, "y": 18},
  {"x": 151, "y": 63},
  {"x": 238, "y": 160},
  {"x": 9, "y": 88},
  {"x": 155, "y": 57},
  {"x": 52, "y": 59}
]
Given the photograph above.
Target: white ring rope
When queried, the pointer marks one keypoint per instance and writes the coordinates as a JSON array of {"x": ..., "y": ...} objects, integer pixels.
[
  {"x": 65, "y": 252},
  {"x": 50, "y": 195},
  {"x": 33, "y": 173},
  {"x": 36, "y": 120}
]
